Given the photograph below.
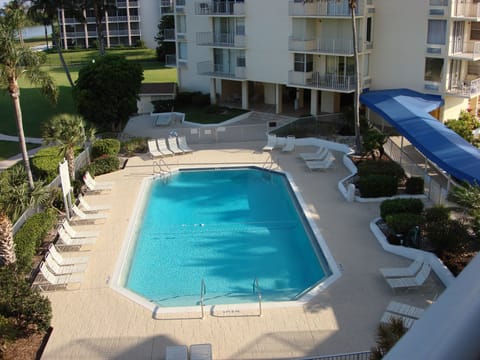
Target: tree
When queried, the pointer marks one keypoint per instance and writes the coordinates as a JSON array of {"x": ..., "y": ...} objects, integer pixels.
[
  {"x": 464, "y": 125},
  {"x": 164, "y": 47},
  {"x": 356, "y": 105},
  {"x": 7, "y": 246},
  {"x": 17, "y": 61},
  {"x": 373, "y": 142},
  {"x": 17, "y": 12},
  {"x": 47, "y": 12},
  {"x": 100, "y": 8},
  {"x": 106, "y": 91},
  {"x": 69, "y": 131},
  {"x": 387, "y": 336}
]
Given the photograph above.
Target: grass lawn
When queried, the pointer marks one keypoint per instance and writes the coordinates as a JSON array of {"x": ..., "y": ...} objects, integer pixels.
[
  {"x": 10, "y": 148},
  {"x": 209, "y": 114}
]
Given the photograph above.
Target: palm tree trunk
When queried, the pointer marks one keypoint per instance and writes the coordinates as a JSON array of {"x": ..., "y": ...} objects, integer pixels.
[
  {"x": 45, "y": 26},
  {"x": 70, "y": 155},
  {"x": 7, "y": 246},
  {"x": 14, "y": 91},
  {"x": 57, "y": 43},
  {"x": 356, "y": 105}
]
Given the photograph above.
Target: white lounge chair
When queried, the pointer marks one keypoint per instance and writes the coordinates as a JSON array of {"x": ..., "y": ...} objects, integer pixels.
[
  {"x": 82, "y": 216},
  {"x": 387, "y": 316},
  {"x": 65, "y": 260},
  {"x": 56, "y": 280},
  {"x": 94, "y": 185},
  {"x": 406, "y": 283},
  {"x": 153, "y": 148},
  {"x": 78, "y": 234},
  {"x": 201, "y": 352},
  {"x": 411, "y": 270},
  {"x": 405, "y": 310},
  {"x": 289, "y": 144},
  {"x": 64, "y": 269},
  {"x": 321, "y": 165},
  {"x": 172, "y": 145},
  {"x": 163, "y": 148},
  {"x": 271, "y": 142},
  {"x": 85, "y": 206},
  {"x": 318, "y": 155},
  {"x": 182, "y": 144},
  {"x": 67, "y": 240},
  {"x": 176, "y": 352}
]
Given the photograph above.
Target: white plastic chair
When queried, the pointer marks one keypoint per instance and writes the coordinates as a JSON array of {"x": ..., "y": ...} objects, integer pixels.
[
  {"x": 91, "y": 208},
  {"x": 94, "y": 185},
  {"x": 78, "y": 234},
  {"x": 82, "y": 216},
  {"x": 172, "y": 145},
  {"x": 67, "y": 240},
  {"x": 182, "y": 144},
  {"x": 65, "y": 260},
  {"x": 411, "y": 270},
  {"x": 63, "y": 269},
  {"x": 163, "y": 148},
  {"x": 153, "y": 148},
  {"x": 56, "y": 280}
]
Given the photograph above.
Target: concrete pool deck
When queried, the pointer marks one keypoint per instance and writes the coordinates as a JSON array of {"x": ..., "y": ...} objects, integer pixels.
[{"x": 95, "y": 322}]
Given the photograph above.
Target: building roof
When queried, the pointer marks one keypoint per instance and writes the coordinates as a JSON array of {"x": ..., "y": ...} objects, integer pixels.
[
  {"x": 158, "y": 88},
  {"x": 408, "y": 112}
]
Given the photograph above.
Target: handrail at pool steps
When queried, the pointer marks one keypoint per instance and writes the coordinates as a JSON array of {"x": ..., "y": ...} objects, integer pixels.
[
  {"x": 203, "y": 291},
  {"x": 256, "y": 289},
  {"x": 160, "y": 164}
]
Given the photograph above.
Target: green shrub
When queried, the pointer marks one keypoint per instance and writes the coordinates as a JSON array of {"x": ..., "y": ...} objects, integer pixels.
[
  {"x": 103, "y": 165},
  {"x": 377, "y": 185},
  {"x": 32, "y": 311},
  {"x": 401, "y": 223},
  {"x": 438, "y": 213},
  {"x": 30, "y": 236},
  {"x": 414, "y": 185},
  {"x": 105, "y": 147},
  {"x": 396, "y": 206},
  {"x": 201, "y": 99},
  {"x": 381, "y": 167},
  {"x": 134, "y": 146},
  {"x": 45, "y": 163},
  {"x": 449, "y": 236}
]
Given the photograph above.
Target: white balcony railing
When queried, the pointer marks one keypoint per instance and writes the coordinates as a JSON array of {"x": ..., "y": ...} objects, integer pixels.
[
  {"x": 465, "y": 9},
  {"x": 220, "y": 8},
  {"x": 221, "y": 70},
  {"x": 324, "y": 46},
  {"x": 465, "y": 88},
  {"x": 323, "y": 8},
  {"x": 466, "y": 49},
  {"x": 315, "y": 80},
  {"x": 220, "y": 39}
]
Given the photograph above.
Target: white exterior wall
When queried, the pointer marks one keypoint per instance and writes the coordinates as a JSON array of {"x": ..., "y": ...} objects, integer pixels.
[
  {"x": 149, "y": 13},
  {"x": 399, "y": 43}
]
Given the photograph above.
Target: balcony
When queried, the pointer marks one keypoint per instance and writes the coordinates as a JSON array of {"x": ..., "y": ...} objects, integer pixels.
[
  {"x": 465, "y": 9},
  {"x": 170, "y": 60},
  {"x": 228, "y": 40},
  {"x": 168, "y": 34},
  {"x": 123, "y": 4},
  {"x": 221, "y": 71},
  {"x": 336, "y": 8},
  {"x": 340, "y": 47},
  {"x": 468, "y": 88},
  {"x": 315, "y": 80},
  {"x": 465, "y": 50},
  {"x": 220, "y": 8}
]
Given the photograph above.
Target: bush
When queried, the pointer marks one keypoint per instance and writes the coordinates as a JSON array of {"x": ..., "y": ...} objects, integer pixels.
[
  {"x": 401, "y": 223},
  {"x": 103, "y": 165},
  {"x": 105, "y": 147},
  {"x": 201, "y": 99},
  {"x": 414, "y": 185},
  {"x": 140, "y": 44},
  {"x": 381, "y": 167},
  {"x": 132, "y": 146},
  {"x": 448, "y": 236},
  {"x": 30, "y": 236},
  {"x": 32, "y": 311},
  {"x": 45, "y": 163},
  {"x": 438, "y": 213},
  {"x": 377, "y": 185},
  {"x": 396, "y": 206}
]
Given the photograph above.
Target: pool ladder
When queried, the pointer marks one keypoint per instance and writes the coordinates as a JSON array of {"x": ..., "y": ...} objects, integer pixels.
[
  {"x": 161, "y": 166},
  {"x": 256, "y": 289}
]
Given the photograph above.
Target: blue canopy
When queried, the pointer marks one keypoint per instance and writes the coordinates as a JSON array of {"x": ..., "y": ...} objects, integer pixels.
[{"x": 408, "y": 112}]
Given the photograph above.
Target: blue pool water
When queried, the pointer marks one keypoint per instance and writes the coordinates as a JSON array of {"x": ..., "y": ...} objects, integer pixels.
[{"x": 226, "y": 227}]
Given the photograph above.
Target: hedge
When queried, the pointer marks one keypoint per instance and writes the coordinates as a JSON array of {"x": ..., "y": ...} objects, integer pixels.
[
  {"x": 396, "y": 206},
  {"x": 103, "y": 165},
  {"x": 45, "y": 162},
  {"x": 414, "y": 185},
  {"x": 401, "y": 223},
  {"x": 135, "y": 145},
  {"x": 102, "y": 147},
  {"x": 381, "y": 167},
  {"x": 377, "y": 185},
  {"x": 30, "y": 236}
]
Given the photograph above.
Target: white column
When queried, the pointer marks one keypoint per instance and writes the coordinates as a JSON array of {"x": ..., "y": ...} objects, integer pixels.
[
  {"x": 278, "y": 98},
  {"x": 128, "y": 25},
  {"x": 64, "y": 32},
  {"x": 245, "y": 95},
  {"x": 314, "y": 102},
  {"x": 107, "y": 30},
  {"x": 213, "y": 91},
  {"x": 85, "y": 29}
]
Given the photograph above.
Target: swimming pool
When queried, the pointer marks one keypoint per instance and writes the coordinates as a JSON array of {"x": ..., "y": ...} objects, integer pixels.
[{"x": 226, "y": 227}]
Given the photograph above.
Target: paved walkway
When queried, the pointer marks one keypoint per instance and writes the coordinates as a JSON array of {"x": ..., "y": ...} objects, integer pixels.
[
  {"x": 5, "y": 164},
  {"x": 95, "y": 322}
]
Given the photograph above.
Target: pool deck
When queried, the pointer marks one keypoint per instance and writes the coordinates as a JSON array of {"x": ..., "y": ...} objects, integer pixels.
[{"x": 95, "y": 322}]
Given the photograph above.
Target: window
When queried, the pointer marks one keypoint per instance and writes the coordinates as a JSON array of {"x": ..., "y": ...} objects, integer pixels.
[
  {"x": 475, "y": 31},
  {"x": 433, "y": 69},
  {"x": 437, "y": 30},
  {"x": 303, "y": 62},
  {"x": 438, "y": 2},
  {"x": 368, "y": 36}
]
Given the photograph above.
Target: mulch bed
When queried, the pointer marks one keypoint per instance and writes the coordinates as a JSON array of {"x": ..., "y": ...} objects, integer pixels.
[{"x": 29, "y": 348}]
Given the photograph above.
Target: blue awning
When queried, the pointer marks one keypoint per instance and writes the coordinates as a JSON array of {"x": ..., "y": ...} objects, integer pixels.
[{"x": 408, "y": 112}]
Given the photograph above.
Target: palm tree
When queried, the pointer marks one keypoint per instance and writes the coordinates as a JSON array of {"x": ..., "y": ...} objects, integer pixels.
[
  {"x": 47, "y": 12},
  {"x": 7, "y": 246},
  {"x": 17, "y": 11},
  {"x": 356, "y": 105},
  {"x": 16, "y": 61},
  {"x": 69, "y": 131}
]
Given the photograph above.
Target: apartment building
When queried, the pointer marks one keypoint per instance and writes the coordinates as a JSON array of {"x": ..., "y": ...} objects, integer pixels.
[{"x": 131, "y": 21}]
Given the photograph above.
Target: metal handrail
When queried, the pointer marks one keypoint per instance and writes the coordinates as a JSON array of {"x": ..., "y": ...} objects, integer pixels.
[
  {"x": 256, "y": 289},
  {"x": 159, "y": 163},
  {"x": 203, "y": 290}
]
